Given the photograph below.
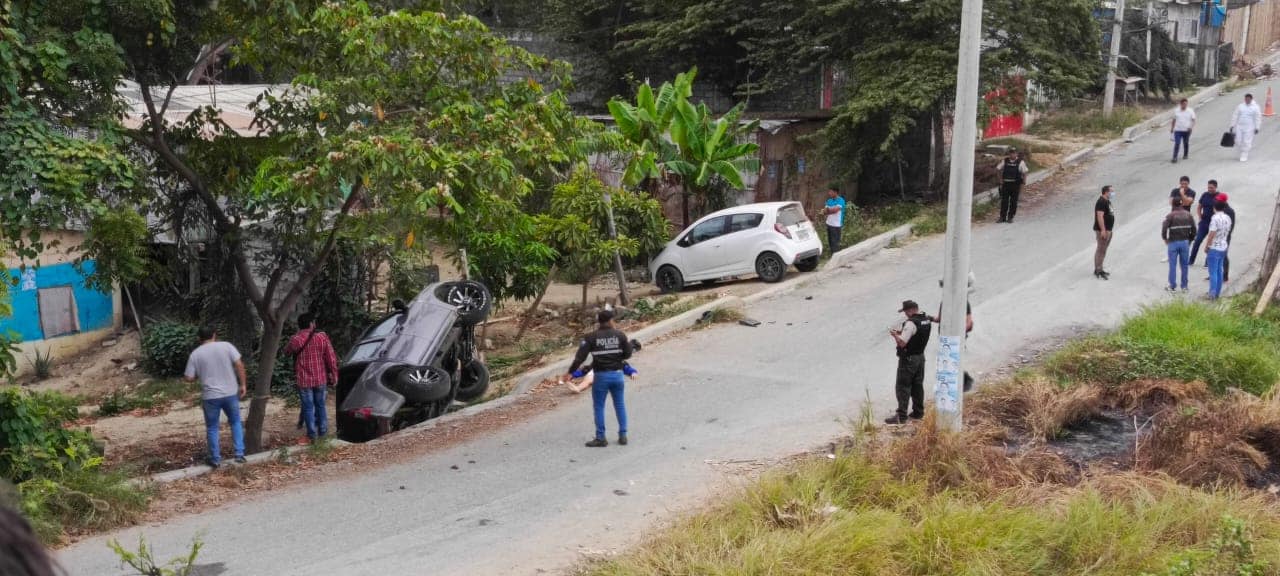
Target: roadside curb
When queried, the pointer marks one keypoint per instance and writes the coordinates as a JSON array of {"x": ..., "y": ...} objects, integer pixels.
[{"x": 202, "y": 469}]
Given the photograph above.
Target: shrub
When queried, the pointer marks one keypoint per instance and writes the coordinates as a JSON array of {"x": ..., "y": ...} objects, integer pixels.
[
  {"x": 34, "y": 440},
  {"x": 166, "y": 346}
]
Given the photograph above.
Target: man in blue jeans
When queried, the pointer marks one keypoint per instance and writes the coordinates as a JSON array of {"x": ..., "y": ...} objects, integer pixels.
[
  {"x": 1219, "y": 232},
  {"x": 218, "y": 367},
  {"x": 1177, "y": 231},
  {"x": 609, "y": 349},
  {"x": 1204, "y": 213},
  {"x": 315, "y": 366}
]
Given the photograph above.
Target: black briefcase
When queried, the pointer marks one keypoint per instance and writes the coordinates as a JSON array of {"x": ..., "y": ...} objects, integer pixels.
[{"x": 1228, "y": 139}]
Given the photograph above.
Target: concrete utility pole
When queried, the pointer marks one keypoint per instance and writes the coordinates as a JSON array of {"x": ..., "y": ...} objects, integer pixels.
[
  {"x": 1149, "y": 15},
  {"x": 1113, "y": 62},
  {"x": 948, "y": 397}
]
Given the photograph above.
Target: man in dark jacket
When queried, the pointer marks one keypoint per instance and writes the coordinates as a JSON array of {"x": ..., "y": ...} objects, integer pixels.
[
  {"x": 911, "y": 338},
  {"x": 609, "y": 349},
  {"x": 1178, "y": 230}
]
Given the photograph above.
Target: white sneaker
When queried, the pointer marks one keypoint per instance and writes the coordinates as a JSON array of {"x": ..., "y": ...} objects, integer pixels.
[{"x": 1164, "y": 259}]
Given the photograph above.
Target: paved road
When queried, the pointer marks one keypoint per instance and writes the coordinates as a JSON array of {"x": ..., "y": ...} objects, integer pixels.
[{"x": 536, "y": 496}]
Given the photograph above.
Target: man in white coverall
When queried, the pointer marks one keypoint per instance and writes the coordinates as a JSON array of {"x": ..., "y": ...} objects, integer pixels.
[{"x": 1245, "y": 122}]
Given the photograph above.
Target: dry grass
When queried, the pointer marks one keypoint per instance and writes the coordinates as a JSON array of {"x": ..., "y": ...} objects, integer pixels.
[
  {"x": 1037, "y": 406},
  {"x": 1233, "y": 440}
]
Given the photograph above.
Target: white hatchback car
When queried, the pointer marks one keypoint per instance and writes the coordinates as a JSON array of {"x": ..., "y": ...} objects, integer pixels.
[{"x": 763, "y": 239}]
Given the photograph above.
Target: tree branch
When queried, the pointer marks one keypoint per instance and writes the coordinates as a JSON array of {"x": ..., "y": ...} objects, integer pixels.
[
  {"x": 197, "y": 70},
  {"x": 222, "y": 223},
  {"x": 312, "y": 269}
]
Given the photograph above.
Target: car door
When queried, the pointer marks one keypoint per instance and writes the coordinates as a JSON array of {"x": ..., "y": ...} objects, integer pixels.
[
  {"x": 703, "y": 254},
  {"x": 741, "y": 243}
]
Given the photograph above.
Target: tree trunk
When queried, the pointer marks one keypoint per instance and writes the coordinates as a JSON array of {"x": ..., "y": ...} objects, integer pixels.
[
  {"x": 585, "y": 284},
  {"x": 1272, "y": 252},
  {"x": 272, "y": 331},
  {"x": 684, "y": 205},
  {"x": 533, "y": 310},
  {"x": 938, "y": 160}
]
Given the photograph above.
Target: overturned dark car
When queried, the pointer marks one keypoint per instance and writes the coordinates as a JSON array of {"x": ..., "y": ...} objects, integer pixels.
[{"x": 414, "y": 364}]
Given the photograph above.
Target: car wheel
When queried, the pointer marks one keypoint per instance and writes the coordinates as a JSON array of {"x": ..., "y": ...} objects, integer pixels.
[
  {"x": 808, "y": 264},
  {"x": 770, "y": 267},
  {"x": 473, "y": 382},
  {"x": 421, "y": 384},
  {"x": 472, "y": 300},
  {"x": 669, "y": 279}
]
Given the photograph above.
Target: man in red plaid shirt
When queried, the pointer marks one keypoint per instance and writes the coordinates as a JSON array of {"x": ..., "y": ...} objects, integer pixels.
[{"x": 315, "y": 365}]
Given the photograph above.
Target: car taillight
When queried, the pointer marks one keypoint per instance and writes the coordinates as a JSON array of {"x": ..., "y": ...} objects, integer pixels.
[
  {"x": 782, "y": 230},
  {"x": 362, "y": 413}
]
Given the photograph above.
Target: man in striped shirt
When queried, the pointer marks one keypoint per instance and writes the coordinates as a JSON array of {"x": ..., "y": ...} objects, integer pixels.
[{"x": 315, "y": 365}]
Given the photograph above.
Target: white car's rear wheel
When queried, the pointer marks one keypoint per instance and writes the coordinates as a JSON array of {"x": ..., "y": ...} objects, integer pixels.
[{"x": 770, "y": 267}]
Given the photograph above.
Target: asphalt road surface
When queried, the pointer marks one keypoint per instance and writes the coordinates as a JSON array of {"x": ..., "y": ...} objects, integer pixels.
[{"x": 536, "y": 499}]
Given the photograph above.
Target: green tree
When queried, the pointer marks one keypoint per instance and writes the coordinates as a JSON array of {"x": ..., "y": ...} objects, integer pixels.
[
  {"x": 577, "y": 226},
  {"x": 646, "y": 124}
]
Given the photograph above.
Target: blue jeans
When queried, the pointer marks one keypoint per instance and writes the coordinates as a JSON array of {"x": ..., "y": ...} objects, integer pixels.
[
  {"x": 313, "y": 411},
  {"x": 212, "y": 409},
  {"x": 1215, "y": 272},
  {"x": 1183, "y": 139},
  {"x": 609, "y": 384},
  {"x": 1179, "y": 253}
]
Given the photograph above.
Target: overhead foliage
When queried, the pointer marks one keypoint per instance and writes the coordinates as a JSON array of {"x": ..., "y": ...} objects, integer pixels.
[{"x": 898, "y": 58}]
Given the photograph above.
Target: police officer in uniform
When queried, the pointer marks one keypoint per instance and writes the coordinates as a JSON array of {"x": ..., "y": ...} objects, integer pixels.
[
  {"x": 1013, "y": 174},
  {"x": 609, "y": 349},
  {"x": 911, "y": 338}
]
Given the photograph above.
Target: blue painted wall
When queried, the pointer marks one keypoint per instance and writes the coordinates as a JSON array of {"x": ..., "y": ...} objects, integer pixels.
[{"x": 94, "y": 308}]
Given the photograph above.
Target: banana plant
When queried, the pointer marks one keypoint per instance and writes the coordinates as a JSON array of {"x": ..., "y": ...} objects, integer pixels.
[
  {"x": 646, "y": 124},
  {"x": 709, "y": 147}
]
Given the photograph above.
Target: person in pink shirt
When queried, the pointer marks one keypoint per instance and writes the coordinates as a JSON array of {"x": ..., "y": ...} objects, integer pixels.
[{"x": 315, "y": 366}]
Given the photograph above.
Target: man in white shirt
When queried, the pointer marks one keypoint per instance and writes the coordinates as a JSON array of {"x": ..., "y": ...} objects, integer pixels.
[
  {"x": 1184, "y": 121},
  {"x": 1245, "y": 123},
  {"x": 1218, "y": 239},
  {"x": 1013, "y": 174}
]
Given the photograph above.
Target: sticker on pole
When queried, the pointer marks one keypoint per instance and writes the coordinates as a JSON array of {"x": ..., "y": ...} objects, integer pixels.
[{"x": 947, "y": 394}]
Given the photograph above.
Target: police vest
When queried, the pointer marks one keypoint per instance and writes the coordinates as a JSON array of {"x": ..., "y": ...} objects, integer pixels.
[
  {"x": 915, "y": 346},
  {"x": 1011, "y": 171}
]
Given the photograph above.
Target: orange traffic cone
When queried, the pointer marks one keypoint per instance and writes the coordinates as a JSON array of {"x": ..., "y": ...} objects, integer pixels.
[{"x": 1268, "y": 110}]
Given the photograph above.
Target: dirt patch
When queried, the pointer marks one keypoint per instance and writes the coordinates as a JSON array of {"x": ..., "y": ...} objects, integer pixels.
[{"x": 96, "y": 372}]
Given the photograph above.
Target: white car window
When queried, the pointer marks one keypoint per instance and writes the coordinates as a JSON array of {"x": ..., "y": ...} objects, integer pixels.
[
  {"x": 713, "y": 228},
  {"x": 790, "y": 215},
  {"x": 740, "y": 222}
]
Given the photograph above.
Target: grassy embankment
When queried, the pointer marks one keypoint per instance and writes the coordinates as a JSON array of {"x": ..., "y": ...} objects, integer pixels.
[{"x": 1007, "y": 497}]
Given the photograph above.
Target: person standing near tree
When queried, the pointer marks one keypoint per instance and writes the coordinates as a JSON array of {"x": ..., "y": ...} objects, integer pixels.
[
  {"x": 1217, "y": 241},
  {"x": 218, "y": 367},
  {"x": 1013, "y": 174},
  {"x": 1245, "y": 123},
  {"x": 834, "y": 211},
  {"x": 1204, "y": 213},
  {"x": 1184, "y": 121},
  {"x": 315, "y": 366},
  {"x": 911, "y": 338},
  {"x": 1104, "y": 221},
  {"x": 1178, "y": 230}
]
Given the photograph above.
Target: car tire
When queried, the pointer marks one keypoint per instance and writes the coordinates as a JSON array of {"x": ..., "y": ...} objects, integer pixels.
[
  {"x": 770, "y": 267},
  {"x": 473, "y": 381},
  {"x": 421, "y": 384},
  {"x": 669, "y": 279},
  {"x": 808, "y": 264},
  {"x": 472, "y": 300}
]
